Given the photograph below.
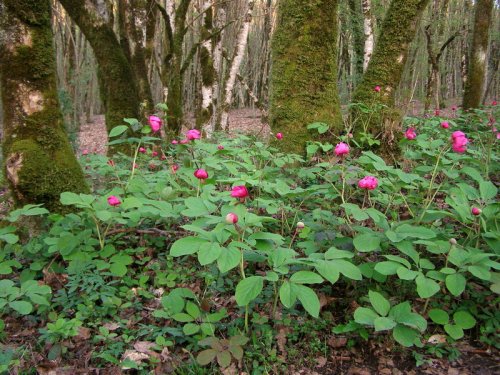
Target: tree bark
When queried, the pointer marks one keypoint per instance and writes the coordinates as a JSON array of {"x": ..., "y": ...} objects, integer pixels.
[
  {"x": 385, "y": 70},
  {"x": 474, "y": 86},
  {"x": 356, "y": 20},
  {"x": 304, "y": 71},
  {"x": 118, "y": 88},
  {"x": 368, "y": 27},
  {"x": 39, "y": 161}
]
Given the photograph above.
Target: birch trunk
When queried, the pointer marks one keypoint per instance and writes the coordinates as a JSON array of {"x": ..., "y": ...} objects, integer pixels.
[
  {"x": 368, "y": 26},
  {"x": 207, "y": 70},
  {"x": 476, "y": 71},
  {"x": 39, "y": 161},
  {"x": 218, "y": 62},
  {"x": 234, "y": 66}
]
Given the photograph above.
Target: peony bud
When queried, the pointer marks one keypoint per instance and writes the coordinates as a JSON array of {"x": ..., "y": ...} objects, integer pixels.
[
  {"x": 341, "y": 149},
  {"x": 368, "y": 183},
  {"x": 113, "y": 201},
  {"x": 201, "y": 174},
  {"x": 220, "y": 147},
  {"x": 142, "y": 150},
  {"x": 154, "y": 123},
  {"x": 300, "y": 225},
  {"x": 445, "y": 125},
  {"x": 239, "y": 192},
  {"x": 231, "y": 218},
  {"x": 193, "y": 134},
  {"x": 377, "y": 88},
  {"x": 279, "y": 136},
  {"x": 476, "y": 211}
]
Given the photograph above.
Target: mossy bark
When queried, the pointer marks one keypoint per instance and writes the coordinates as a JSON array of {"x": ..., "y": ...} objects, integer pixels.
[
  {"x": 356, "y": 20},
  {"x": 385, "y": 70},
  {"x": 39, "y": 161},
  {"x": 118, "y": 87},
  {"x": 303, "y": 74},
  {"x": 476, "y": 70}
]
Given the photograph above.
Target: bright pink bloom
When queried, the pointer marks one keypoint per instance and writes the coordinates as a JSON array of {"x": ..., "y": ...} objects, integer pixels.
[
  {"x": 476, "y": 211},
  {"x": 155, "y": 123},
  {"x": 410, "y": 134},
  {"x": 279, "y": 136},
  {"x": 239, "y": 192},
  {"x": 437, "y": 112},
  {"x": 220, "y": 147},
  {"x": 184, "y": 141},
  {"x": 494, "y": 102},
  {"x": 498, "y": 135},
  {"x": 155, "y": 153},
  {"x": 114, "y": 201},
  {"x": 445, "y": 125},
  {"x": 142, "y": 150},
  {"x": 231, "y": 218},
  {"x": 453, "y": 107},
  {"x": 174, "y": 168},
  {"x": 368, "y": 183},
  {"x": 377, "y": 88},
  {"x": 163, "y": 157},
  {"x": 201, "y": 174},
  {"x": 174, "y": 142},
  {"x": 341, "y": 149},
  {"x": 459, "y": 141},
  {"x": 85, "y": 152},
  {"x": 193, "y": 134}
]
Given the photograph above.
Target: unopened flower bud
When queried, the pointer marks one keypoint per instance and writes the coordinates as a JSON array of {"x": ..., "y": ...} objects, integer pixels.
[
  {"x": 300, "y": 225},
  {"x": 453, "y": 241},
  {"x": 231, "y": 218}
]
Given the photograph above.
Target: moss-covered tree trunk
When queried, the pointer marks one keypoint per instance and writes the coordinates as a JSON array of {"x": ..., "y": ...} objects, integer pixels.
[
  {"x": 476, "y": 70},
  {"x": 118, "y": 87},
  {"x": 385, "y": 69},
  {"x": 39, "y": 160},
  {"x": 303, "y": 74}
]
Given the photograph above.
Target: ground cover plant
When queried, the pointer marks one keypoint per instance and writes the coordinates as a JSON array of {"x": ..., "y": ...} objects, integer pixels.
[{"x": 227, "y": 255}]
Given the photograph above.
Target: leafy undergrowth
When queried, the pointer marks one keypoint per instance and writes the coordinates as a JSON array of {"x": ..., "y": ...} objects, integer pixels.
[{"x": 228, "y": 256}]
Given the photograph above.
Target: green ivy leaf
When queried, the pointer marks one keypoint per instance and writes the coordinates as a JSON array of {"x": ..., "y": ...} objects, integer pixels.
[
  {"x": 439, "y": 316},
  {"x": 464, "y": 320},
  {"x": 456, "y": 332}
]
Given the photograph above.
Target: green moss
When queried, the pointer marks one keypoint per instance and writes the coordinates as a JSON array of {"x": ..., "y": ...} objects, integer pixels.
[
  {"x": 385, "y": 70},
  {"x": 41, "y": 163},
  {"x": 303, "y": 76}
]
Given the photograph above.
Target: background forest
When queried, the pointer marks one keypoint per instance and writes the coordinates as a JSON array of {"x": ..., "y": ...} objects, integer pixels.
[{"x": 249, "y": 187}]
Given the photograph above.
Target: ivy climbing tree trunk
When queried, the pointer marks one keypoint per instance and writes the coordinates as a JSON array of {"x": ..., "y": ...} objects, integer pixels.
[
  {"x": 39, "y": 160},
  {"x": 385, "y": 70},
  {"x": 303, "y": 73},
  {"x": 476, "y": 70},
  {"x": 118, "y": 87}
]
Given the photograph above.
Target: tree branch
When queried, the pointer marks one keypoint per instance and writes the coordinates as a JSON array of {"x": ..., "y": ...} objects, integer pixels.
[{"x": 166, "y": 18}]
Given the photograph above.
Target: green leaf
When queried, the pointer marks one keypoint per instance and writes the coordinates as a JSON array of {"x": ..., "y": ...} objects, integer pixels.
[
  {"x": 426, "y": 287},
  {"x": 455, "y": 331},
  {"x": 328, "y": 271},
  {"x": 364, "y": 315},
  {"x": 379, "y": 303},
  {"x": 224, "y": 358},
  {"x": 383, "y": 324},
  {"x": 464, "y": 320},
  {"x": 193, "y": 310},
  {"x": 197, "y": 206},
  {"x": 186, "y": 246},
  {"x": 183, "y": 317},
  {"x": 406, "y": 274},
  {"x": 480, "y": 272},
  {"x": 413, "y": 231},
  {"x": 455, "y": 284},
  {"x": 9, "y": 238},
  {"x": 308, "y": 299},
  {"x": 366, "y": 242},
  {"x": 387, "y": 267},
  {"x": 228, "y": 259},
  {"x": 190, "y": 329},
  {"x": 404, "y": 335},
  {"x": 206, "y": 356},
  {"x": 306, "y": 277},
  {"x": 248, "y": 289},
  {"x": 413, "y": 320},
  {"x": 22, "y": 307},
  {"x": 209, "y": 253},
  {"x": 439, "y": 316},
  {"x": 288, "y": 295},
  {"x": 488, "y": 190},
  {"x": 348, "y": 269},
  {"x": 117, "y": 130},
  {"x": 356, "y": 212}
]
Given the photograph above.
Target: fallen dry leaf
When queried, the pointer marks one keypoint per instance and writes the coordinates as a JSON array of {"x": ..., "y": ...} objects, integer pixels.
[
  {"x": 321, "y": 362},
  {"x": 437, "y": 339},
  {"x": 337, "y": 342},
  {"x": 134, "y": 356},
  {"x": 111, "y": 326}
]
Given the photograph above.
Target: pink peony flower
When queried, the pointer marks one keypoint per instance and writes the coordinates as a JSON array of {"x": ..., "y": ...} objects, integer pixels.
[
  {"x": 155, "y": 153},
  {"x": 476, "y": 211},
  {"x": 494, "y": 102},
  {"x": 174, "y": 168},
  {"x": 377, "y": 88},
  {"x": 201, "y": 174},
  {"x": 459, "y": 141},
  {"x": 193, "y": 134},
  {"x": 453, "y": 108},
  {"x": 368, "y": 183},
  {"x": 142, "y": 150},
  {"x": 163, "y": 157},
  {"x": 437, "y": 111},
  {"x": 174, "y": 142},
  {"x": 410, "y": 134},
  {"x": 220, "y": 147},
  {"x": 155, "y": 123},
  {"x": 498, "y": 135},
  {"x": 114, "y": 201},
  {"x": 231, "y": 218},
  {"x": 184, "y": 141},
  {"x": 85, "y": 152},
  {"x": 341, "y": 149},
  {"x": 445, "y": 125},
  {"x": 279, "y": 136},
  {"x": 239, "y": 192}
]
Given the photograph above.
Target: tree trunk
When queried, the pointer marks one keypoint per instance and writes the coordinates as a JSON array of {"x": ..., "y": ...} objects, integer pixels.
[
  {"x": 118, "y": 89},
  {"x": 234, "y": 67},
  {"x": 356, "y": 20},
  {"x": 39, "y": 161},
  {"x": 474, "y": 86},
  {"x": 368, "y": 27},
  {"x": 385, "y": 70},
  {"x": 304, "y": 71}
]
